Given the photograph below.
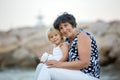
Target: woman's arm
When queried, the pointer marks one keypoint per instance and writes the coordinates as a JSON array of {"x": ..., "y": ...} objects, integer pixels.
[
  {"x": 84, "y": 51},
  {"x": 64, "y": 48}
]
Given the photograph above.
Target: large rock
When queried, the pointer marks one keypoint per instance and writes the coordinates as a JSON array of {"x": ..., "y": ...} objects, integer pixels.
[
  {"x": 8, "y": 44},
  {"x": 24, "y": 46}
]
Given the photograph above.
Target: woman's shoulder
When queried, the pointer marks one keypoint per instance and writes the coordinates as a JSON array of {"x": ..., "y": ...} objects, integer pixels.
[
  {"x": 83, "y": 36},
  {"x": 83, "y": 33}
]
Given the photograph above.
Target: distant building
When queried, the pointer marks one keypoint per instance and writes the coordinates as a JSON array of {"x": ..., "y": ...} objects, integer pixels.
[{"x": 40, "y": 22}]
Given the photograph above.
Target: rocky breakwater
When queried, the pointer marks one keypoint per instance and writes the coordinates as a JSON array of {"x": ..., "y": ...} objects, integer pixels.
[{"x": 22, "y": 47}]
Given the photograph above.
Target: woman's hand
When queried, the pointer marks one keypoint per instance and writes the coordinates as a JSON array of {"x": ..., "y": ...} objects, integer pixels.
[{"x": 53, "y": 64}]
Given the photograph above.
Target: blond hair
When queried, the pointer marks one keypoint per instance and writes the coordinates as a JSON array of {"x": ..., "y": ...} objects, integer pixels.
[{"x": 53, "y": 31}]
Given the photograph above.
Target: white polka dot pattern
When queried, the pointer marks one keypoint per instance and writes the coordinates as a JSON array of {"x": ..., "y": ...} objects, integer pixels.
[{"x": 94, "y": 67}]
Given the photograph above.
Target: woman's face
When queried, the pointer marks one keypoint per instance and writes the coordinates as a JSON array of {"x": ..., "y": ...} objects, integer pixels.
[{"x": 66, "y": 29}]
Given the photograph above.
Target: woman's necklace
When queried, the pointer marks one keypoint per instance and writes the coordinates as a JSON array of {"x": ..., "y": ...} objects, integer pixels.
[{"x": 73, "y": 36}]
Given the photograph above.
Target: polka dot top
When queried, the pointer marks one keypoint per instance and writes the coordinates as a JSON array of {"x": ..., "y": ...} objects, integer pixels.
[{"x": 94, "y": 67}]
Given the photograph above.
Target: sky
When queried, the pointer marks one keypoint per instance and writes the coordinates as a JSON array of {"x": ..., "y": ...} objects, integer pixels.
[{"x": 21, "y": 13}]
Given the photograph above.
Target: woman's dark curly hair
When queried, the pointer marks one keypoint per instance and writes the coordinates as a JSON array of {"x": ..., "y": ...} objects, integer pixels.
[{"x": 65, "y": 17}]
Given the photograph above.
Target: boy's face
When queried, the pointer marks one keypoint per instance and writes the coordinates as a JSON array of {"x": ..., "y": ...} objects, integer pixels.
[{"x": 55, "y": 37}]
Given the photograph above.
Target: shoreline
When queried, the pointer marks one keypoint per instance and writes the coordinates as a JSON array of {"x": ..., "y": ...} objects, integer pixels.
[{"x": 107, "y": 73}]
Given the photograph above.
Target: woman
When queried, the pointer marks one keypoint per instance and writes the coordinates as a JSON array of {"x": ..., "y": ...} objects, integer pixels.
[{"x": 83, "y": 61}]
